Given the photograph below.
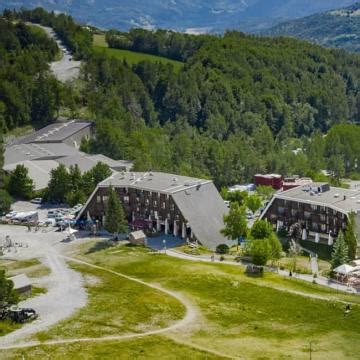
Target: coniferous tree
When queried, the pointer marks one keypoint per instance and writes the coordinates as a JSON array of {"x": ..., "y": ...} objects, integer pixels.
[
  {"x": 340, "y": 252},
  {"x": 350, "y": 236},
  {"x": 20, "y": 184},
  {"x": 115, "y": 220},
  {"x": 59, "y": 184}
]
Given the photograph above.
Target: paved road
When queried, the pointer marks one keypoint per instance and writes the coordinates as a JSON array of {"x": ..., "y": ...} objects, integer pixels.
[
  {"x": 65, "y": 69},
  {"x": 65, "y": 293}
]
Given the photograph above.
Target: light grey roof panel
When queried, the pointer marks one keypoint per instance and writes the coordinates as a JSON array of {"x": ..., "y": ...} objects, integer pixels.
[
  {"x": 20, "y": 281},
  {"x": 204, "y": 209},
  {"x": 23, "y": 152},
  {"x": 39, "y": 171},
  {"x": 56, "y": 132},
  {"x": 345, "y": 200},
  {"x": 153, "y": 181}
]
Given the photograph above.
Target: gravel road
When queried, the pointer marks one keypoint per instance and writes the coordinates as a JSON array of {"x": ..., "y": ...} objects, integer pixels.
[
  {"x": 65, "y": 69},
  {"x": 65, "y": 286}
]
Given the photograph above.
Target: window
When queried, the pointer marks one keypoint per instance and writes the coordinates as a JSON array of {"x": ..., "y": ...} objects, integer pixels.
[
  {"x": 163, "y": 205},
  {"x": 98, "y": 199},
  {"x": 105, "y": 198},
  {"x": 126, "y": 199},
  {"x": 322, "y": 218},
  {"x": 293, "y": 212},
  {"x": 323, "y": 227},
  {"x": 314, "y": 207},
  {"x": 155, "y": 203},
  {"x": 172, "y": 207},
  {"x": 281, "y": 210},
  {"x": 307, "y": 214}
]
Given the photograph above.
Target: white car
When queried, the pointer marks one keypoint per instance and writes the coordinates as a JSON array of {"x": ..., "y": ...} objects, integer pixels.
[
  {"x": 36, "y": 201},
  {"x": 11, "y": 214}
]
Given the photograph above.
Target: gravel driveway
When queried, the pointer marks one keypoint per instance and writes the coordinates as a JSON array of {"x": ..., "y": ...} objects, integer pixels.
[{"x": 65, "y": 286}]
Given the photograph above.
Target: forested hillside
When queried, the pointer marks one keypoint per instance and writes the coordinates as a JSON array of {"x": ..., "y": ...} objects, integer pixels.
[
  {"x": 240, "y": 105},
  {"x": 28, "y": 92},
  {"x": 338, "y": 28}
]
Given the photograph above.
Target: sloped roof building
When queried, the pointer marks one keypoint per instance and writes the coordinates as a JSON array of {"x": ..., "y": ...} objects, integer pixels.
[
  {"x": 43, "y": 150},
  {"x": 188, "y": 207}
]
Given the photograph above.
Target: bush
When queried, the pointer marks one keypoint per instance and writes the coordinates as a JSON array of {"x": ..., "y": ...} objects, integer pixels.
[
  {"x": 222, "y": 249},
  {"x": 260, "y": 252},
  {"x": 282, "y": 232}
]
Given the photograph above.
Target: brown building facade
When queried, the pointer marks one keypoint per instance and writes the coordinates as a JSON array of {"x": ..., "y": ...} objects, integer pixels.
[
  {"x": 164, "y": 203},
  {"x": 313, "y": 212}
]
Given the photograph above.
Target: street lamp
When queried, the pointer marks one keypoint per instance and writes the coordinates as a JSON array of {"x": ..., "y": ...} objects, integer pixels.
[{"x": 164, "y": 243}]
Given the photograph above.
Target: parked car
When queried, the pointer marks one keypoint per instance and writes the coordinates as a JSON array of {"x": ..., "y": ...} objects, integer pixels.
[
  {"x": 227, "y": 203},
  {"x": 52, "y": 214},
  {"x": 11, "y": 214},
  {"x": 36, "y": 201}
]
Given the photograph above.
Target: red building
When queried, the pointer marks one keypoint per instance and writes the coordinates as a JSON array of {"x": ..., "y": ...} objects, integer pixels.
[{"x": 273, "y": 180}]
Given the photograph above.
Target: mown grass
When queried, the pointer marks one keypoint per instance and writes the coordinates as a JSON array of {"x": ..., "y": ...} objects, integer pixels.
[
  {"x": 31, "y": 267},
  {"x": 7, "y": 326},
  {"x": 116, "y": 306},
  {"x": 268, "y": 317},
  {"x": 132, "y": 57},
  {"x": 259, "y": 317},
  {"x": 154, "y": 348}
]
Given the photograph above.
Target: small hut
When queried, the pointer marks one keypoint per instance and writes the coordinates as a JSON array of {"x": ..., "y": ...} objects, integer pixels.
[
  {"x": 22, "y": 284},
  {"x": 137, "y": 238}
]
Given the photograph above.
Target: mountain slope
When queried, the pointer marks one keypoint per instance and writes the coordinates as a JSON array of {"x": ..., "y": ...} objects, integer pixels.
[
  {"x": 191, "y": 15},
  {"x": 337, "y": 28}
]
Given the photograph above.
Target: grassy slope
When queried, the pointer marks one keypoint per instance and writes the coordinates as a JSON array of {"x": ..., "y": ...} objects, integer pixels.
[
  {"x": 240, "y": 315},
  {"x": 131, "y": 57}
]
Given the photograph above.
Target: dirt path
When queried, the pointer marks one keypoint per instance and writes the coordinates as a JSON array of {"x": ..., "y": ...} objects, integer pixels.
[
  {"x": 65, "y": 294},
  {"x": 191, "y": 315}
]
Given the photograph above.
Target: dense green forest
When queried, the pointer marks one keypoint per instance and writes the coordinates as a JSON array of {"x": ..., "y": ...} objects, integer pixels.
[
  {"x": 28, "y": 92},
  {"x": 76, "y": 37},
  {"x": 241, "y": 105}
]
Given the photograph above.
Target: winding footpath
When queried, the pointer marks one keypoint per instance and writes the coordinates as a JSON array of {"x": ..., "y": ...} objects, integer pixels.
[{"x": 189, "y": 318}]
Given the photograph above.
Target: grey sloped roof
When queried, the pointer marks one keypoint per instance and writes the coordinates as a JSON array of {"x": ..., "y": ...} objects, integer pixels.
[
  {"x": 153, "y": 181},
  {"x": 56, "y": 132},
  {"x": 204, "y": 209},
  {"x": 20, "y": 281},
  {"x": 112, "y": 163},
  {"x": 38, "y": 171},
  {"x": 23, "y": 152}
]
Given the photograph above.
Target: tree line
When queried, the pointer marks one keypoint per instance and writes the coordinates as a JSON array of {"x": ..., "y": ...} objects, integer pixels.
[{"x": 76, "y": 37}]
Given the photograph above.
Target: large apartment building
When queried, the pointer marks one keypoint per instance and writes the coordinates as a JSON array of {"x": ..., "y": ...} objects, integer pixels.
[
  {"x": 158, "y": 202},
  {"x": 316, "y": 211}
]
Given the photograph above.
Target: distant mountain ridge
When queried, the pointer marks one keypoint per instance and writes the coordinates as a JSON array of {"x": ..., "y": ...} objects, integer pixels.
[
  {"x": 338, "y": 28},
  {"x": 183, "y": 15}
]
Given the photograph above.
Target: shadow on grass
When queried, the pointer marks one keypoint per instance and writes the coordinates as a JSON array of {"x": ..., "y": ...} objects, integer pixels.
[{"x": 100, "y": 245}]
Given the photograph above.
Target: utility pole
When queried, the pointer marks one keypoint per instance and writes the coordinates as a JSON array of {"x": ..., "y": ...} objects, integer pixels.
[{"x": 310, "y": 350}]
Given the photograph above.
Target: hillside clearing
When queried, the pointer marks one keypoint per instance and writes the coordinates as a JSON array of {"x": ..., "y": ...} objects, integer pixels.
[{"x": 132, "y": 57}]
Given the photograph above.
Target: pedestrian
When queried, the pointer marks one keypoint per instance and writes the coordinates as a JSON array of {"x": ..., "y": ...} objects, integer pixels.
[
  {"x": 347, "y": 310},
  {"x": 290, "y": 273}
]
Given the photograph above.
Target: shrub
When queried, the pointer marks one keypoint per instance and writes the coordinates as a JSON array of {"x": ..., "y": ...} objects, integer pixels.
[{"x": 222, "y": 249}]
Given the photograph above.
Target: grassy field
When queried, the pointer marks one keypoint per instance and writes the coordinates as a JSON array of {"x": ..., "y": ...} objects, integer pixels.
[
  {"x": 108, "y": 311},
  {"x": 32, "y": 267},
  {"x": 238, "y": 315},
  {"x": 132, "y": 57}
]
